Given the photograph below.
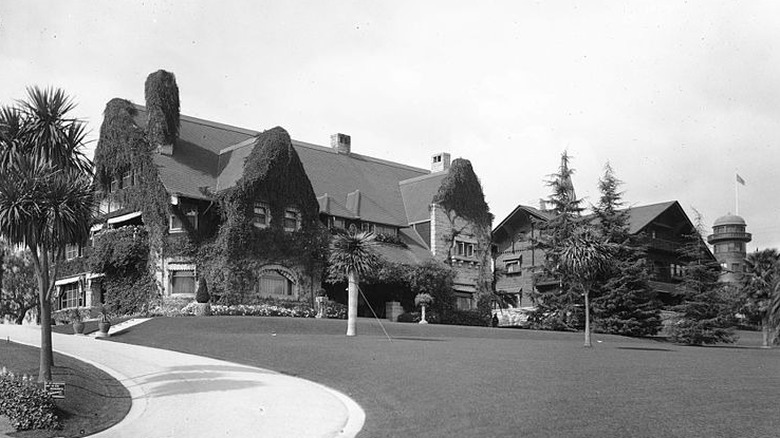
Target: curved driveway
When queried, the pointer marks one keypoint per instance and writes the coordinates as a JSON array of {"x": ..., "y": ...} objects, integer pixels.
[{"x": 182, "y": 395}]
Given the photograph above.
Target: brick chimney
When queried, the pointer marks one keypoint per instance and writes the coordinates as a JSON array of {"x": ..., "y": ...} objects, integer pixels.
[
  {"x": 440, "y": 162},
  {"x": 341, "y": 143}
]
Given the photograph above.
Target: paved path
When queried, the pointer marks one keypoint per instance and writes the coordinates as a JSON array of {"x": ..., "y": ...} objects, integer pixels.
[{"x": 182, "y": 395}]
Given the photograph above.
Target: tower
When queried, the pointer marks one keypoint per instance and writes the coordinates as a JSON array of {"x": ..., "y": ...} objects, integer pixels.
[{"x": 729, "y": 239}]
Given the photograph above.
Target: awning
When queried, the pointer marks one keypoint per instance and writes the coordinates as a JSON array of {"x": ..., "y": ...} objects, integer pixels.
[
  {"x": 181, "y": 267},
  {"x": 124, "y": 217},
  {"x": 66, "y": 281}
]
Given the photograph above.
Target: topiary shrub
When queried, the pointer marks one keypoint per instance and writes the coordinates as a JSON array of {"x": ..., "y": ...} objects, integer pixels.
[
  {"x": 203, "y": 292},
  {"x": 26, "y": 405}
]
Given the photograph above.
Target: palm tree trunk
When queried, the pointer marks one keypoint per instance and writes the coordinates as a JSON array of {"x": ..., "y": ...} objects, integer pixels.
[
  {"x": 587, "y": 318},
  {"x": 765, "y": 330},
  {"x": 47, "y": 355},
  {"x": 352, "y": 299}
]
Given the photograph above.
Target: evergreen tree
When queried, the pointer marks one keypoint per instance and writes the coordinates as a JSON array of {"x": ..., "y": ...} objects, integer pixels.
[
  {"x": 556, "y": 307},
  {"x": 705, "y": 311},
  {"x": 624, "y": 303}
]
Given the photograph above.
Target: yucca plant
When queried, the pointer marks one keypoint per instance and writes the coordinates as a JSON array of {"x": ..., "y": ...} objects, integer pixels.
[
  {"x": 46, "y": 196},
  {"x": 352, "y": 253},
  {"x": 582, "y": 257}
]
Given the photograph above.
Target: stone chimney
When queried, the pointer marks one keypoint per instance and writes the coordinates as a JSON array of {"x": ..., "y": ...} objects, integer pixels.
[
  {"x": 341, "y": 143},
  {"x": 440, "y": 162}
]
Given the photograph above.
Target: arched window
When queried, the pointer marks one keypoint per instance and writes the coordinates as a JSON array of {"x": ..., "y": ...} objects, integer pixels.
[{"x": 276, "y": 281}]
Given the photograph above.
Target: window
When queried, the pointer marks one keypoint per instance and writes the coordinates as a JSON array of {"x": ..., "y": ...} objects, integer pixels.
[
  {"x": 382, "y": 229},
  {"x": 190, "y": 215},
  {"x": 464, "y": 249},
  {"x": 736, "y": 267},
  {"x": 676, "y": 270},
  {"x": 182, "y": 282},
  {"x": 463, "y": 301},
  {"x": 367, "y": 227},
  {"x": 338, "y": 222},
  {"x": 261, "y": 215},
  {"x": 71, "y": 252},
  {"x": 291, "y": 220},
  {"x": 513, "y": 266},
  {"x": 274, "y": 283},
  {"x": 127, "y": 179},
  {"x": 71, "y": 296}
]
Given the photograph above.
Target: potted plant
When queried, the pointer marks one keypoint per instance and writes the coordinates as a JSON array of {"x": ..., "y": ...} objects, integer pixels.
[
  {"x": 422, "y": 300},
  {"x": 104, "y": 323},
  {"x": 76, "y": 317},
  {"x": 203, "y": 298}
]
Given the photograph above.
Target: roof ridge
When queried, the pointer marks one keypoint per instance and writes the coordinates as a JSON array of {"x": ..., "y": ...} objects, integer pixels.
[
  {"x": 422, "y": 177},
  {"x": 210, "y": 123},
  {"x": 359, "y": 156}
]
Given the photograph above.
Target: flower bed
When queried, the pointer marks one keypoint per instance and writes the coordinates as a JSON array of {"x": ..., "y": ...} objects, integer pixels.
[
  {"x": 270, "y": 307},
  {"x": 26, "y": 404}
]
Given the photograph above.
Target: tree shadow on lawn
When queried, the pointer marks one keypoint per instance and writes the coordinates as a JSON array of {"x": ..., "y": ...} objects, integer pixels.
[{"x": 645, "y": 349}]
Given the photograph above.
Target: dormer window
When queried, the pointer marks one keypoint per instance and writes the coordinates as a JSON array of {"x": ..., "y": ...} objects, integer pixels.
[
  {"x": 292, "y": 220},
  {"x": 190, "y": 215},
  {"x": 261, "y": 215}
]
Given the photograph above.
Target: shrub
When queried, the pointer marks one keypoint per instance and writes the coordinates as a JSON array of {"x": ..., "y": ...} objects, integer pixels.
[
  {"x": 203, "y": 292},
  {"x": 292, "y": 309},
  {"x": 431, "y": 317},
  {"x": 334, "y": 310},
  {"x": 170, "y": 306},
  {"x": 26, "y": 405},
  {"x": 467, "y": 317},
  {"x": 130, "y": 295}
]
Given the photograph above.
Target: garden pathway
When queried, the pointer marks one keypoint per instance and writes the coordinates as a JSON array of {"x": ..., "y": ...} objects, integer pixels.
[{"x": 176, "y": 394}]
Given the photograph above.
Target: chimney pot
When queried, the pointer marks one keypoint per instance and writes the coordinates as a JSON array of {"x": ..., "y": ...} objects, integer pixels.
[
  {"x": 341, "y": 143},
  {"x": 440, "y": 162}
]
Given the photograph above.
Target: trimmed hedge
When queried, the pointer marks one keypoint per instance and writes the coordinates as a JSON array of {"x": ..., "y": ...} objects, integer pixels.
[
  {"x": 467, "y": 317},
  {"x": 27, "y": 405}
]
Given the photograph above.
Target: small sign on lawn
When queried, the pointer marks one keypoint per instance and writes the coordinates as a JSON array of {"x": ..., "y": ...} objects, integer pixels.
[{"x": 55, "y": 389}]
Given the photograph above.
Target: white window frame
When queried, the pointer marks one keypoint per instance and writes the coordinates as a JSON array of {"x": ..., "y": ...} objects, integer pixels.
[
  {"x": 127, "y": 179},
  {"x": 173, "y": 269},
  {"x": 292, "y": 213},
  {"x": 464, "y": 249},
  {"x": 72, "y": 252},
  {"x": 267, "y": 208},
  {"x": 191, "y": 213}
]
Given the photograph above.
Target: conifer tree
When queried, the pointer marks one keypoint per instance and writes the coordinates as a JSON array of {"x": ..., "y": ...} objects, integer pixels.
[
  {"x": 705, "y": 310},
  {"x": 624, "y": 303},
  {"x": 557, "y": 306}
]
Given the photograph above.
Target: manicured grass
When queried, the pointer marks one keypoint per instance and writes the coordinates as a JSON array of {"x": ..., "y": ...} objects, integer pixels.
[
  {"x": 94, "y": 401},
  {"x": 445, "y": 381}
]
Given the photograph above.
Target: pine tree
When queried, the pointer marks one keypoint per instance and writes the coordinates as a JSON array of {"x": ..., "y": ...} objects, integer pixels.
[
  {"x": 705, "y": 311},
  {"x": 624, "y": 302},
  {"x": 556, "y": 307}
]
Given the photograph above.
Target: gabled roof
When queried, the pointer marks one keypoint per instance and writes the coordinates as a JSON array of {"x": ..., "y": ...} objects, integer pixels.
[
  {"x": 418, "y": 194},
  {"x": 209, "y": 157},
  {"x": 638, "y": 217}
]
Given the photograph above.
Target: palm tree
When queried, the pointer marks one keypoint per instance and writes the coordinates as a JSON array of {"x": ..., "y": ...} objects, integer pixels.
[
  {"x": 46, "y": 196},
  {"x": 581, "y": 259},
  {"x": 352, "y": 254},
  {"x": 762, "y": 286}
]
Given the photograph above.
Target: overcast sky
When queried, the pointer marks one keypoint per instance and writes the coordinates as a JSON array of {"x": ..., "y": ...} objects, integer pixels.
[{"x": 677, "y": 96}]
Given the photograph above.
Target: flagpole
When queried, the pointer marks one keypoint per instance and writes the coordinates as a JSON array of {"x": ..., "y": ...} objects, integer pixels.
[{"x": 736, "y": 195}]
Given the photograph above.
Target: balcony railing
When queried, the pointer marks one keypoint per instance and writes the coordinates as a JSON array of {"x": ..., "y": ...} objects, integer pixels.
[
  {"x": 717, "y": 237},
  {"x": 664, "y": 245}
]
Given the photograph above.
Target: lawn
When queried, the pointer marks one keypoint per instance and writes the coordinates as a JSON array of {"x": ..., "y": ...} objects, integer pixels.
[
  {"x": 444, "y": 381},
  {"x": 93, "y": 400}
]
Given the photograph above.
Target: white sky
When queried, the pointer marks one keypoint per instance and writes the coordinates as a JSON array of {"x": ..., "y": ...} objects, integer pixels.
[{"x": 676, "y": 95}]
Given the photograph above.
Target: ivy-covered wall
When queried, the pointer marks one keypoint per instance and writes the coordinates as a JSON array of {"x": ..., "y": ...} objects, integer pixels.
[{"x": 274, "y": 175}]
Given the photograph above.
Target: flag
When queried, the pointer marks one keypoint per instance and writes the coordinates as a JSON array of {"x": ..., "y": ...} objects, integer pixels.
[{"x": 740, "y": 180}]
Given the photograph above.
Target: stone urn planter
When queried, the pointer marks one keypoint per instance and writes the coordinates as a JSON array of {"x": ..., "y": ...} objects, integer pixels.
[
  {"x": 76, "y": 318},
  {"x": 422, "y": 300},
  {"x": 103, "y": 328}
]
